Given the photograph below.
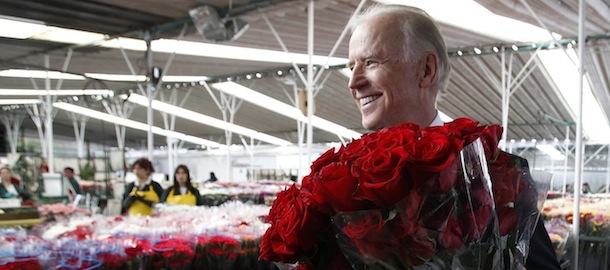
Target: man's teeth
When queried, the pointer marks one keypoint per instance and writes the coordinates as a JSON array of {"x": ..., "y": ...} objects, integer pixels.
[{"x": 367, "y": 100}]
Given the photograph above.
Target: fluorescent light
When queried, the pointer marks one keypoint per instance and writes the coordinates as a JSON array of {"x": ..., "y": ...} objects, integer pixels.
[
  {"x": 117, "y": 77},
  {"x": 132, "y": 124},
  {"x": 69, "y": 36},
  {"x": 39, "y": 74},
  {"x": 42, "y": 74},
  {"x": 479, "y": 20},
  {"x": 33, "y": 92},
  {"x": 564, "y": 73},
  {"x": 206, "y": 120},
  {"x": 551, "y": 151},
  {"x": 284, "y": 109},
  {"x": 19, "y": 28},
  {"x": 18, "y": 101},
  {"x": 172, "y": 78},
  {"x": 222, "y": 51},
  {"x": 184, "y": 48}
]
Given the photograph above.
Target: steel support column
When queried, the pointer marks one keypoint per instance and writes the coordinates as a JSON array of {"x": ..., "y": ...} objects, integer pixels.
[{"x": 578, "y": 164}]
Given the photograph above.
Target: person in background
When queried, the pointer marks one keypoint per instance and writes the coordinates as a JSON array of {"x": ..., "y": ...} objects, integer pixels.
[
  {"x": 182, "y": 192},
  {"x": 400, "y": 64},
  {"x": 141, "y": 195},
  {"x": 74, "y": 185},
  {"x": 212, "y": 178},
  {"x": 8, "y": 189},
  {"x": 586, "y": 189}
]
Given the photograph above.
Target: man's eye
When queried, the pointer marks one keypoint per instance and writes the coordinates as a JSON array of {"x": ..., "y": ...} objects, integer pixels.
[{"x": 371, "y": 62}]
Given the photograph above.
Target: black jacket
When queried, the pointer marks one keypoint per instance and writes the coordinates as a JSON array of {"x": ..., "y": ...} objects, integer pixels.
[
  {"x": 129, "y": 200},
  {"x": 4, "y": 194},
  {"x": 542, "y": 254}
]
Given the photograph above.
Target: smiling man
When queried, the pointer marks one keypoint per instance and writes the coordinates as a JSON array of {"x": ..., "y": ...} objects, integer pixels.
[{"x": 400, "y": 64}]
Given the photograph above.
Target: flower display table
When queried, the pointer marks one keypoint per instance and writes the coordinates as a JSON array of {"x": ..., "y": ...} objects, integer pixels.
[
  {"x": 594, "y": 245},
  {"x": 181, "y": 237}
]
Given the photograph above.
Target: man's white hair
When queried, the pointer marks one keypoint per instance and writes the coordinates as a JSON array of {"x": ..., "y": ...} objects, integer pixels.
[{"x": 421, "y": 34}]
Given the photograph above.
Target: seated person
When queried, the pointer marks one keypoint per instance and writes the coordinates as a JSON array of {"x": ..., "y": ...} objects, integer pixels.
[
  {"x": 74, "y": 185},
  {"x": 141, "y": 195},
  {"x": 8, "y": 189},
  {"x": 182, "y": 192}
]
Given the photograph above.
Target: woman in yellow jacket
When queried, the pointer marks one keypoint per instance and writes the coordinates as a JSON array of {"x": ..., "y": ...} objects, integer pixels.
[
  {"x": 182, "y": 192},
  {"x": 141, "y": 195}
]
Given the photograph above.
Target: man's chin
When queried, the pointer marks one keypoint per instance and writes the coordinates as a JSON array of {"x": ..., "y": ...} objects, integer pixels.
[{"x": 371, "y": 125}]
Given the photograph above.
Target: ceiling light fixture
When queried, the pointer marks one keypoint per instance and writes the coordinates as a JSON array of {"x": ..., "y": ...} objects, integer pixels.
[
  {"x": 20, "y": 28},
  {"x": 71, "y": 36},
  {"x": 75, "y": 92},
  {"x": 284, "y": 109},
  {"x": 19, "y": 101},
  {"x": 206, "y": 120},
  {"x": 133, "y": 124},
  {"x": 212, "y": 27},
  {"x": 551, "y": 151}
]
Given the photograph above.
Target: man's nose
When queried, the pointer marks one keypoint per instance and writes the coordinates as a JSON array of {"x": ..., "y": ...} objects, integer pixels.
[{"x": 357, "y": 80}]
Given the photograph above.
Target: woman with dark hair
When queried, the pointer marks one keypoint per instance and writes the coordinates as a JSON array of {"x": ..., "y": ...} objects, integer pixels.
[
  {"x": 182, "y": 192},
  {"x": 141, "y": 195}
]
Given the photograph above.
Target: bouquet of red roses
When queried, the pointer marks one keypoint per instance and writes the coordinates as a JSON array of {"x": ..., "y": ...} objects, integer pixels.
[{"x": 405, "y": 197}]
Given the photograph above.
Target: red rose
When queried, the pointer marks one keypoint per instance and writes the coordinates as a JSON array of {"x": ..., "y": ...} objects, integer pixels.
[
  {"x": 475, "y": 221},
  {"x": 141, "y": 246},
  {"x": 435, "y": 211},
  {"x": 506, "y": 180},
  {"x": 444, "y": 181},
  {"x": 370, "y": 233},
  {"x": 333, "y": 189},
  {"x": 358, "y": 148},
  {"x": 418, "y": 247},
  {"x": 295, "y": 226},
  {"x": 409, "y": 209},
  {"x": 490, "y": 137},
  {"x": 461, "y": 127},
  {"x": 327, "y": 158},
  {"x": 451, "y": 237},
  {"x": 111, "y": 259},
  {"x": 366, "y": 224},
  {"x": 507, "y": 219},
  {"x": 431, "y": 154},
  {"x": 399, "y": 135},
  {"x": 378, "y": 168},
  {"x": 381, "y": 178}
]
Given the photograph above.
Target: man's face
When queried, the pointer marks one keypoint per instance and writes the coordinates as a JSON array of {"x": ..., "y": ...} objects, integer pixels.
[
  {"x": 68, "y": 173},
  {"x": 5, "y": 175},
  {"x": 385, "y": 88}
]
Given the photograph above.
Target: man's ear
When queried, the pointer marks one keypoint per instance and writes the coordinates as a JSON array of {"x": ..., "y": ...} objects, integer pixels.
[{"x": 428, "y": 68}]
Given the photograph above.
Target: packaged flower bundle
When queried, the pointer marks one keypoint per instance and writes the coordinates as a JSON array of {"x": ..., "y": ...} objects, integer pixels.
[
  {"x": 172, "y": 253},
  {"x": 407, "y": 198}
]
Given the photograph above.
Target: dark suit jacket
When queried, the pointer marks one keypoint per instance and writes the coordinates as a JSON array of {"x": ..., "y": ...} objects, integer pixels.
[
  {"x": 541, "y": 252},
  {"x": 542, "y": 255}
]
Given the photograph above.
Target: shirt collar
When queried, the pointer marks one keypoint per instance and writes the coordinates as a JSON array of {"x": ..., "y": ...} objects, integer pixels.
[{"x": 437, "y": 121}]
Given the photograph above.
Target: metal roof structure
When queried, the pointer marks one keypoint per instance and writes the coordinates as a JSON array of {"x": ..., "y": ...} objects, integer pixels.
[{"x": 537, "y": 110}]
